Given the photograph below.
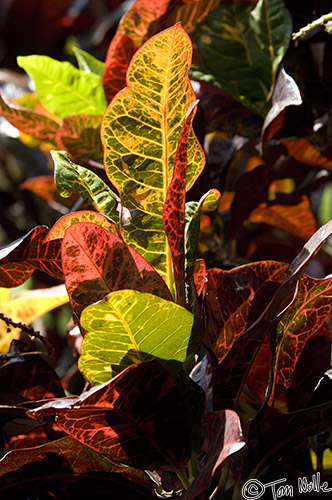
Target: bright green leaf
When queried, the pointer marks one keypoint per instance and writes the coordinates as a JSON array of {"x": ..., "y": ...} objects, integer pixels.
[
  {"x": 88, "y": 63},
  {"x": 62, "y": 88},
  {"x": 129, "y": 327},
  {"x": 71, "y": 178}
]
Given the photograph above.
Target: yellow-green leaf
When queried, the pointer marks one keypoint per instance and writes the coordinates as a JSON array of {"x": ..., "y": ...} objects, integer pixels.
[
  {"x": 129, "y": 327},
  {"x": 140, "y": 133}
]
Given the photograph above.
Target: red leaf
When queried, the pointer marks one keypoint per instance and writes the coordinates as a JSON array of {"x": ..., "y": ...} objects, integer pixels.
[
  {"x": 305, "y": 152},
  {"x": 174, "y": 208},
  {"x": 139, "y": 418},
  {"x": 96, "y": 262},
  {"x": 58, "y": 230},
  {"x": 297, "y": 220},
  {"x": 308, "y": 313},
  {"x": 80, "y": 136},
  {"x": 200, "y": 275},
  {"x": 19, "y": 259},
  {"x": 225, "y": 438},
  {"x": 234, "y": 299},
  {"x": 31, "y": 123},
  {"x": 286, "y": 93}
]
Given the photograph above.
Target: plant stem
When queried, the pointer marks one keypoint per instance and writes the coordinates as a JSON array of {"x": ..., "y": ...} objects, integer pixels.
[
  {"x": 318, "y": 22},
  {"x": 182, "y": 475}
]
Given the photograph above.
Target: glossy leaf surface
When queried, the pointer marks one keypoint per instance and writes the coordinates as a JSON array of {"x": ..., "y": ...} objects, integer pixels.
[
  {"x": 129, "y": 327},
  {"x": 70, "y": 177},
  {"x": 31, "y": 123},
  {"x": 79, "y": 135},
  {"x": 140, "y": 133},
  {"x": 224, "y": 438},
  {"x": 139, "y": 418},
  {"x": 96, "y": 262},
  {"x": 19, "y": 259},
  {"x": 62, "y": 88},
  {"x": 249, "y": 44},
  {"x": 59, "y": 228}
]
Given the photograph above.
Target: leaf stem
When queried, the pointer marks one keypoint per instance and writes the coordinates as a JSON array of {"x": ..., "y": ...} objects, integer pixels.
[{"x": 182, "y": 475}]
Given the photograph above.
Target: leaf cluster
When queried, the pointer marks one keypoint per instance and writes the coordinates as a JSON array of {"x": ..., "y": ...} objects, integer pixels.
[{"x": 202, "y": 335}]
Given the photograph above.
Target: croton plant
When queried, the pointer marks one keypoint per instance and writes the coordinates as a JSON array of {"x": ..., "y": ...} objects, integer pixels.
[{"x": 198, "y": 378}]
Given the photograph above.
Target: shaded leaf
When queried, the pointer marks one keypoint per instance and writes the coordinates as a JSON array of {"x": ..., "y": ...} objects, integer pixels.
[
  {"x": 270, "y": 439},
  {"x": 199, "y": 275},
  {"x": 128, "y": 327},
  {"x": 308, "y": 313},
  {"x": 96, "y": 262},
  {"x": 224, "y": 439},
  {"x": 62, "y": 88},
  {"x": 31, "y": 123},
  {"x": 59, "y": 228},
  {"x": 249, "y": 44},
  {"x": 19, "y": 259},
  {"x": 66, "y": 468},
  {"x": 286, "y": 93},
  {"x": 174, "y": 208},
  {"x": 80, "y": 136},
  {"x": 138, "y": 418},
  {"x": 140, "y": 133},
  {"x": 305, "y": 152},
  {"x": 297, "y": 220},
  {"x": 43, "y": 186},
  {"x": 235, "y": 299},
  {"x": 70, "y": 177}
]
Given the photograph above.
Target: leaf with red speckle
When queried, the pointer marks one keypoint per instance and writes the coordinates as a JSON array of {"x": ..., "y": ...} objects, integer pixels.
[
  {"x": 224, "y": 439},
  {"x": 200, "y": 275},
  {"x": 234, "y": 300},
  {"x": 144, "y": 19},
  {"x": 308, "y": 313},
  {"x": 59, "y": 228},
  {"x": 305, "y": 152},
  {"x": 297, "y": 220},
  {"x": 174, "y": 208},
  {"x": 19, "y": 259},
  {"x": 139, "y": 418},
  {"x": 80, "y": 136},
  {"x": 96, "y": 262},
  {"x": 31, "y": 123}
]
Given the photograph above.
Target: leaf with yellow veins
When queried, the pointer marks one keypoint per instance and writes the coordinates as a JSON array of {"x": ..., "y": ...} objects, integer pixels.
[{"x": 140, "y": 133}]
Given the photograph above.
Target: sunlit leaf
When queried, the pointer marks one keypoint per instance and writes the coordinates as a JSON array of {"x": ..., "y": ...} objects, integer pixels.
[
  {"x": 28, "y": 121},
  {"x": 297, "y": 220},
  {"x": 62, "y": 88},
  {"x": 139, "y": 418},
  {"x": 140, "y": 132},
  {"x": 249, "y": 45},
  {"x": 19, "y": 259},
  {"x": 88, "y": 63},
  {"x": 96, "y": 262},
  {"x": 79, "y": 135},
  {"x": 70, "y": 177},
  {"x": 129, "y": 327},
  {"x": 59, "y": 228}
]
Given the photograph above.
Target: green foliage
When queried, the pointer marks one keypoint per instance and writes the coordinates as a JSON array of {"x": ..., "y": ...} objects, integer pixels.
[{"x": 194, "y": 316}]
